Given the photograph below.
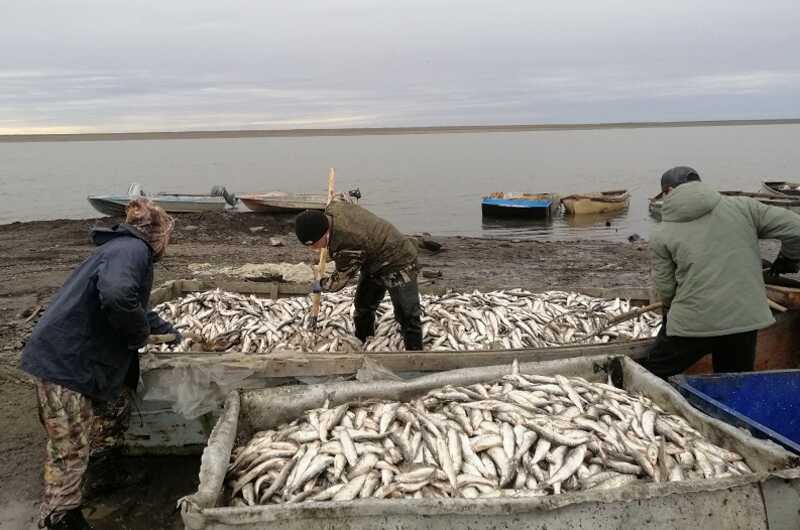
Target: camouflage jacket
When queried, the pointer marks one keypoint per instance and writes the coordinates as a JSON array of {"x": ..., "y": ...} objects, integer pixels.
[{"x": 362, "y": 241}]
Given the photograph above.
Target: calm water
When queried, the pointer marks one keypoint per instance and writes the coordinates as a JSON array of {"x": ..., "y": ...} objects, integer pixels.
[{"x": 430, "y": 182}]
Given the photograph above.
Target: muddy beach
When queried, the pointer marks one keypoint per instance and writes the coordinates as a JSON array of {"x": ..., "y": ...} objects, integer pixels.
[{"x": 36, "y": 257}]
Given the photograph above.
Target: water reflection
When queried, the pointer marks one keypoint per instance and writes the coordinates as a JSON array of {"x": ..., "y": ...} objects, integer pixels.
[
  {"x": 611, "y": 226},
  {"x": 503, "y": 226},
  {"x": 604, "y": 219}
]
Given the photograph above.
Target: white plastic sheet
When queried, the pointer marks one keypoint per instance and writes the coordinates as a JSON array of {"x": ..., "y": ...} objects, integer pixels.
[{"x": 193, "y": 390}]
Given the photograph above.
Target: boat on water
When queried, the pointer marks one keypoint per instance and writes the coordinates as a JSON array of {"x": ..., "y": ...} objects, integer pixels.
[
  {"x": 280, "y": 202},
  {"x": 596, "y": 202},
  {"x": 781, "y": 188},
  {"x": 789, "y": 203},
  {"x": 527, "y": 205},
  {"x": 114, "y": 205}
]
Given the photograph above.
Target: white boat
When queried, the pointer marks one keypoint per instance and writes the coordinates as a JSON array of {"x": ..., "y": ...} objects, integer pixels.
[{"x": 114, "y": 205}]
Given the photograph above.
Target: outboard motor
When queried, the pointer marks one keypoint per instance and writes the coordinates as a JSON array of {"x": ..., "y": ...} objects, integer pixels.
[
  {"x": 220, "y": 191},
  {"x": 135, "y": 190},
  {"x": 355, "y": 194}
]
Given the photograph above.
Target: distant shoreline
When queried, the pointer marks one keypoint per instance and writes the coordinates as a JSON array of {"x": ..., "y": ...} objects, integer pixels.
[{"x": 371, "y": 131}]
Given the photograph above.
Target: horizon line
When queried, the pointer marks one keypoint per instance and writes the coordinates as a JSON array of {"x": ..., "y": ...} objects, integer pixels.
[{"x": 366, "y": 131}]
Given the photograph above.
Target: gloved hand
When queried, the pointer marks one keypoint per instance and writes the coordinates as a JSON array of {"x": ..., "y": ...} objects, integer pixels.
[
  {"x": 174, "y": 331},
  {"x": 178, "y": 337},
  {"x": 316, "y": 287},
  {"x": 784, "y": 265}
]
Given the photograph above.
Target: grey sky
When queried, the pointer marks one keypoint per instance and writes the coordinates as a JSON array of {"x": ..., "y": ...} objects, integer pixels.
[{"x": 108, "y": 65}]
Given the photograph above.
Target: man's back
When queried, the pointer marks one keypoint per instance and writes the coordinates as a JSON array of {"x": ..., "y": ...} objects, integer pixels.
[
  {"x": 707, "y": 262},
  {"x": 384, "y": 247}
]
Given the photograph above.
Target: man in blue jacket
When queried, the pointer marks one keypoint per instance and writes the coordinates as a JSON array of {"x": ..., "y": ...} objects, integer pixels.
[{"x": 83, "y": 354}]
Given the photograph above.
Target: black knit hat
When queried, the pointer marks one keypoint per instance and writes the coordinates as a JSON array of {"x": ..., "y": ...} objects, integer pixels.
[
  {"x": 310, "y": 226},
  {"x": 678, "y": 175}
]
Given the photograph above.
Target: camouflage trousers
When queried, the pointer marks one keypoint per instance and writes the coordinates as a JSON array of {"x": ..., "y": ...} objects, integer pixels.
[
  {"x": 76, "y": 428},
  {"x": 401, "y": 277}
]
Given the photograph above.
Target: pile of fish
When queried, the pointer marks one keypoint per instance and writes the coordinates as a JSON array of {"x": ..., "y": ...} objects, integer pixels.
[
  {"x": 523, "y": 435},
  {"x": 225, "y": 321}
]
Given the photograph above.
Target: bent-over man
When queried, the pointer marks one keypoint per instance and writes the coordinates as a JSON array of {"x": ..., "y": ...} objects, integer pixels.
[{"x": 361, "y": 242}]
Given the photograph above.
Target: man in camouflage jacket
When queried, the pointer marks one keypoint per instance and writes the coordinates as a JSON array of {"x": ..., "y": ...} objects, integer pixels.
[{"x": 361, "y": 242}]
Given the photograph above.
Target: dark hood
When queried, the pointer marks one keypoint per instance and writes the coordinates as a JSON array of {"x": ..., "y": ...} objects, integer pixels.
[{"x": 101, "y": 236}]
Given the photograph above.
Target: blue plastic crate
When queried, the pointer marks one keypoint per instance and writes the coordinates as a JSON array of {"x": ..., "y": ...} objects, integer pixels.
[{"x": 765, "y": 403}]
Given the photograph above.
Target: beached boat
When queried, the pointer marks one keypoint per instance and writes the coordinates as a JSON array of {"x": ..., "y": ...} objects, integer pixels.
[
  {"x": 529, "y": 205},
  {"x": 114, "y": 205},
  {"x": 789, "y": 203},
  {"x": 781, "y": 188},
  {"x": 596, "y": 202},
  {"x": 280, "y": 202}
]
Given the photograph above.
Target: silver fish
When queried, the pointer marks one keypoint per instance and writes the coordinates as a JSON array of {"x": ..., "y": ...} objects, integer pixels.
[{"x": 522, "y": 435}]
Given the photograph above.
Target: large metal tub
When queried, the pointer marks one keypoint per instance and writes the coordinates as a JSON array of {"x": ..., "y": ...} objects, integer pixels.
[
  {"x": 159, "y": 429},
  {"x": 768, "y": 498}
]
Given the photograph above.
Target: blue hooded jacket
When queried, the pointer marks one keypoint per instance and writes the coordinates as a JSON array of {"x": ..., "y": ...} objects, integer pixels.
[{"x": 88, "y": 338}]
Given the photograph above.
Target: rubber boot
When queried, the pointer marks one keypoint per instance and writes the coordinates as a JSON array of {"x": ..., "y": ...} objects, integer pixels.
[
  {"x": 106, "y": 473},
  {"x": 72, "y": 520}
]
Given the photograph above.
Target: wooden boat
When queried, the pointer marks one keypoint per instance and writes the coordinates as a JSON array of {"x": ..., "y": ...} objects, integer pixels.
[
  {"x": 280, "y": 202},
  {"x": 596, "y": 202},
  {"x": 528, "y": 205},
  {"x": 781, "y": 188},
  {"x": 789, "y": 203},
  {"x": 114, "y": 205}
]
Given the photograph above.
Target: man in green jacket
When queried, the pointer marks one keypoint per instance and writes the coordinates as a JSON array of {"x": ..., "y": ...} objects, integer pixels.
[
  {"x": 359, "y": 241},
  {"x": 708, "y": 273}
]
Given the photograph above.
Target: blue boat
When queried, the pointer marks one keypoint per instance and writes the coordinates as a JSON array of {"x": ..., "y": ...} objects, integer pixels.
[
  {"x": 527, "y": 205},
  {"x": 765, "y": 403}
]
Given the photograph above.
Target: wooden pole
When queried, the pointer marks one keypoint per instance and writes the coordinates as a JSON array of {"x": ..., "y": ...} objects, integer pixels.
[
  {"x": 323, "y": 257},
  {"x": 623, "y": 318}
]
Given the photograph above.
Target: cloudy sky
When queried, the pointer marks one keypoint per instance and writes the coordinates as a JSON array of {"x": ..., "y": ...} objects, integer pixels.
[{"x": 109, "y": 66}]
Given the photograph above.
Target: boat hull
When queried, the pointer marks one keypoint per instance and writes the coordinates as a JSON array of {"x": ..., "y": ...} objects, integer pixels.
[
  {"x": 790, "y": 203},
  {"x": 587, "y": 204},
  {"x": 774, "y": 188},
  {"x": 520, "y": 205},
  {"x": 114, "y": 205},
  {"x": 509, "y": 208},
  {"x": 283, "y": 203},
  {"x": 213, "y": 204},
  {"x": 107, "y": 206}
]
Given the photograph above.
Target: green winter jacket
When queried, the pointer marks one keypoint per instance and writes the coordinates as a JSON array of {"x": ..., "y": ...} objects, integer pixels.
[
  {"x": 707, "y": 264},
  {"x": 362, "y": 241}
]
